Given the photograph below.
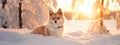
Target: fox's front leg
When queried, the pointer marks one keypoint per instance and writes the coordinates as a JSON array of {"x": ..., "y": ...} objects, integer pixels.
[{"x": 46, "y": 32}]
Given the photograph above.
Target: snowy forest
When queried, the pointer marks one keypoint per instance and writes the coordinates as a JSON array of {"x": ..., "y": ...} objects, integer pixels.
[
  {"x": 19, "y": 13},
  {"x": 88, "y": 22}
]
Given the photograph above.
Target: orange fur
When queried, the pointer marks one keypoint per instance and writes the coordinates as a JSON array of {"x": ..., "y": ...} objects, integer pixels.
[{"x": 40, "y": 30}]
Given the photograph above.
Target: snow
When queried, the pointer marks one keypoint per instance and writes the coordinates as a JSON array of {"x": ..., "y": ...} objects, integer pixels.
[
  {"x": 15, "y": 38},
  {"x": 73, "y": 35}
]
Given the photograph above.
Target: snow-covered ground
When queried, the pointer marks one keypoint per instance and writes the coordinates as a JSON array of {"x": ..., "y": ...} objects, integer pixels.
[{"x": 75, "y": 34}]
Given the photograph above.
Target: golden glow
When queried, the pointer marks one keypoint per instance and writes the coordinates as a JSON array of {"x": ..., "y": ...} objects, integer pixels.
[{"x": 87, "y": 7}]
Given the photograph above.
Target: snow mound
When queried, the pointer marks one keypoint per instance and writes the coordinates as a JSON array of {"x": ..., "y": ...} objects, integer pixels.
[{"x": 10, "y": 37}]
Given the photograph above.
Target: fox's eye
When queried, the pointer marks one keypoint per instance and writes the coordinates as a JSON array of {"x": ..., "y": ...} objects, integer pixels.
[{"x": 58, "y": 17}]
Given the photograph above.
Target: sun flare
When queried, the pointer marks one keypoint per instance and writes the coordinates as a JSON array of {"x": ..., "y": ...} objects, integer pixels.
[{"x": 87, "y": 7}]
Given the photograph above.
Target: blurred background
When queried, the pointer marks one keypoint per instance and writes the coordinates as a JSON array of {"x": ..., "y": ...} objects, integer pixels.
[{"x": 30, "y": 13}]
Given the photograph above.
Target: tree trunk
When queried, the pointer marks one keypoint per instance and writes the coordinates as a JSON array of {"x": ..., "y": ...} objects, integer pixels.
[{"x": 20, "y": 15}]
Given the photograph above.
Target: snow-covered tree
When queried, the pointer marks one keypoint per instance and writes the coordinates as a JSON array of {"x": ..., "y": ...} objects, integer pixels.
[
  {"x": 34, "y": 12},
  {"x": 3, "y": 14}
]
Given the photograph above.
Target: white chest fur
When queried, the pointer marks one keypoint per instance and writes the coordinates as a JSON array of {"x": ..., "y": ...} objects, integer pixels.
[{"x": 55, "y": 31}]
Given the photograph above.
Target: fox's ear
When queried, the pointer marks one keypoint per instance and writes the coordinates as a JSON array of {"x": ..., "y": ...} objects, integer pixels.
[
  {"x": 51, "y": 12},
  {"x": 60, "y": 11}
]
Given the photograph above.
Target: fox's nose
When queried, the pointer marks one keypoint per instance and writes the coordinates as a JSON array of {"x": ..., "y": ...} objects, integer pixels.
[{"x": 55, "y": 21}]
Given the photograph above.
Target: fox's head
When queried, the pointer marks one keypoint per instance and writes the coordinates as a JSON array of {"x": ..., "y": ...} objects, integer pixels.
[{"x": 56, "y": 17}]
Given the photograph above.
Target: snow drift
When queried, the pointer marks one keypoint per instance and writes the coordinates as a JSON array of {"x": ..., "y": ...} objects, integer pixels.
[{"x": 74, "y": 35}]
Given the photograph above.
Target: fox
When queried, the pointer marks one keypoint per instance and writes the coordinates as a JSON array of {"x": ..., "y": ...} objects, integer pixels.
[{"x": 54, "y": 26}]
